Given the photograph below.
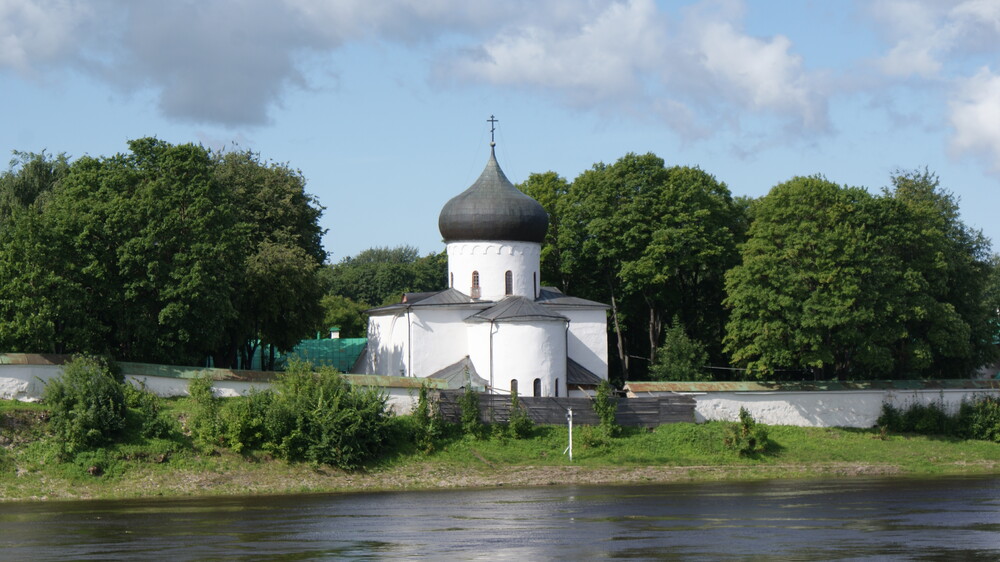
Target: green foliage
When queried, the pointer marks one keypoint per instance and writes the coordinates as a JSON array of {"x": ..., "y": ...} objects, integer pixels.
[
  {"x": 519, "y": 425},
  {"x": 471, "y": 423},
  {"x": 317, "y": 416},
  {"x": 243, "y": 421},
  {"x": 976, "y": 419},
  {"x": 145, "y": 412},
  {"x": 87, "y": 404},
  {"x": 746, "y": 437},
  {"x": 980, "y": 419},
  {"x": 427, "y": 421},
  {"x": 680, "y": 358},
  {"x": 205, "y": 422},
  {"x": 845, "y": 284},
  {"x": 380, "y": 276},
  {"x": 606, "y": 406},
  {"x": 163, "y": 254},
  {"x": 654, "y": 242},
  {"x": 343, "y": 312}
]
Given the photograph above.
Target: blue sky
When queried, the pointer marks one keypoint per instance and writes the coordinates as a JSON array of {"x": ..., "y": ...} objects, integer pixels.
[{"x": 383, "y": 104}]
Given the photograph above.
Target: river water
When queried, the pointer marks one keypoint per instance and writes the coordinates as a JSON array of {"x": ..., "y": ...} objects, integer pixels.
[{"x": 842, "y": 519}]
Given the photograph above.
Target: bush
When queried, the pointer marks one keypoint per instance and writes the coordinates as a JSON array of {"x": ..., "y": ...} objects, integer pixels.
[
  {"x": 980, "y": 419},
  {"x": 145, "y": 412},
  {"x": 469, "y": 405},
  {"x": 680, "y": 358},
  {"x": 243, "y": 421},
  {"x": 87, "y": 404},
  {"x": 317, "y": 416},
  {"x": 606, "y": 408},
  {"x": 746, "y": 437},
  {"x": 519, "y": 424},
  {"x": 205, "y": 422},
  {"x": 428, "y": 425},
  {"x": 923, "y": 419}
]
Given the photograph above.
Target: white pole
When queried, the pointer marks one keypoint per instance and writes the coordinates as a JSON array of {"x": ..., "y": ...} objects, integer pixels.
[{"x": 569, "y": 420}]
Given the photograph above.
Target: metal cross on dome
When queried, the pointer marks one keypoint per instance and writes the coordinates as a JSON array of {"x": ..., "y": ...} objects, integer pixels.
[{"x": 493, "y": 127}]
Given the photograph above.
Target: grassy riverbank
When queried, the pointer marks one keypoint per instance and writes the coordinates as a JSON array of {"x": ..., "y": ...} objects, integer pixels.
[{"x": 30, "y": 468}]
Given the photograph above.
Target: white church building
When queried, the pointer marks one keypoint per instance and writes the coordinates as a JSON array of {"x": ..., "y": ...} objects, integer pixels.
[{"x": 494, "y": 327}]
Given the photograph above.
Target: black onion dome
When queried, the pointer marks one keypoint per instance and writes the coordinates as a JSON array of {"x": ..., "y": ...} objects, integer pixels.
[{"x": 493, "y": 209}]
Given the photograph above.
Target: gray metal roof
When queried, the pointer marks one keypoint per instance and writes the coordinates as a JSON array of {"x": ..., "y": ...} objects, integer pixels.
[
  {"x": 516, "y": 309},
  {"x": 493, "y": 209},
  {"x": 460, "y": 374},
  {"x": 553, "y": 296},
  {"x": 578, "y": 375},
  {"x": 446, "y": 297}
]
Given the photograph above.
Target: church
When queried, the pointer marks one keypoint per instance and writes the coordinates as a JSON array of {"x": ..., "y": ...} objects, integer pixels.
[{"x": 494, "y": 327}]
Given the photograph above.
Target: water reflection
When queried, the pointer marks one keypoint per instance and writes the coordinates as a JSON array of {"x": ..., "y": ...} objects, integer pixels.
[{"x": 774, "y": 520}]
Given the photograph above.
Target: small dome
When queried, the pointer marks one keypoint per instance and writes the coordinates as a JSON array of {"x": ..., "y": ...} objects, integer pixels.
[{"x": 493, "y": 209}]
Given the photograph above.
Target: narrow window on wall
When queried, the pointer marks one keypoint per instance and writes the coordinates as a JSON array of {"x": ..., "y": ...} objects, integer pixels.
[
  {"x": 538, "y": 387},
  {"x": 534, "y": 284},
  {"x": 557, "y": 388},
  {"x": 513, "y": 386},
  {"x": 451, "y": 282},
  {"x": 475, "y": 279},
  {"x": 508, "y": 280}
]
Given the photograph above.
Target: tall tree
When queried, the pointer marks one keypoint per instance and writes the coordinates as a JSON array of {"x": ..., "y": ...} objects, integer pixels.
[
  {"x": 281, "y": 254},
  {"x": 948, "y": 267},
  {"x": 844, "y": 284},
  {"x": 378, "y": 276},
  {"x": 654, "y": 242},
  {"x": 550, "y": 190}
]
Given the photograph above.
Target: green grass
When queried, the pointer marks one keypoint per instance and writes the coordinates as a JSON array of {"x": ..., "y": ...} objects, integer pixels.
[{"x": 30, "y": 464}]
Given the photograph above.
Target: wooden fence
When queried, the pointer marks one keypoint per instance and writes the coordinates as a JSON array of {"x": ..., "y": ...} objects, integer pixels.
[{"x": 640, "y": 412}]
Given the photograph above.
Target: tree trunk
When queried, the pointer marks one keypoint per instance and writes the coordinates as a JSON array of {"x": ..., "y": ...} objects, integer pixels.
[
  {"x": 622, "y": 356},
  {"x": 655, "y": 327}
]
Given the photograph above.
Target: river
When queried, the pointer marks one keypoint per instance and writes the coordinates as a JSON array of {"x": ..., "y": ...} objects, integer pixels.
[{"x": 845, "y": 519}]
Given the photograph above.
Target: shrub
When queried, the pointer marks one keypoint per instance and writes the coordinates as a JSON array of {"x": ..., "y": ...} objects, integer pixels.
[
  {"x": 469, "y": 405},
  {"x": 243, "y": 421},
  {"x": 145, "y": 412},
  {"x": 317, "y": 416},
  {"x": 86, "y": 404},
  {"x": 923, "y": 419},
  {"x": 519, "y": 424},
  {"x": 205, "y": 422},
  {"x": 746, "y": 436},
  {"x": 606, "y": 407},
  {"x": 680, "y": 358},
  {"x": 428, "y": 425},
  {"x": 980, "y": 418}
]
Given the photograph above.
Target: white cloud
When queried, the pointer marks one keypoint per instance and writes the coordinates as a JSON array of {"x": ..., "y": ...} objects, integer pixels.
[
  {"x": 601, "y": 59},
  {"x": 762, "y": 73},
  {"x": 230, "y": 62},
  {"x": 34, "y": 33},
  {"x": 925, "y": 34},
  {"x": 630, "y": 56},
  {"x": 975, "y": 117}
]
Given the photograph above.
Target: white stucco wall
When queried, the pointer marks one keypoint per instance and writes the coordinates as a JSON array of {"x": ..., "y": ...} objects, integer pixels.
[
  {"x": 27, "y": 383},
  {"x": 439, "y": 338},
  {"x": 526, "y": 351},
  {"x": 388, "y": 341},
  {"x": 492, "y": 260},
  {"x": 847, "y": 408},
  {"x": 588, "y": 338}
]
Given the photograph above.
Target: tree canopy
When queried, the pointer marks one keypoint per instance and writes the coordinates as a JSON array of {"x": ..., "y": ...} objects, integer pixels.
[
  {"x": 166, "y": 253},
  {"x": 840, "y": 283}
]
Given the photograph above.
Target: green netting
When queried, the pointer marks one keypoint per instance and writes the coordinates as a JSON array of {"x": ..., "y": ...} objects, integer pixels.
[{"x": 339, "y": 353}]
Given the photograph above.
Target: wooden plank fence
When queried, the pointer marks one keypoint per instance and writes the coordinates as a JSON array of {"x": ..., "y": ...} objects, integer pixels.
[{"x": 638, "y": 412}]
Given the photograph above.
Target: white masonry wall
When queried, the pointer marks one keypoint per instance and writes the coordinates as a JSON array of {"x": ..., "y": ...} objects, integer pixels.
[
  {"x": 492, "y": 260},
  {"x": 388, "y": 345},
  {"x": 439, "y": 338}
]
